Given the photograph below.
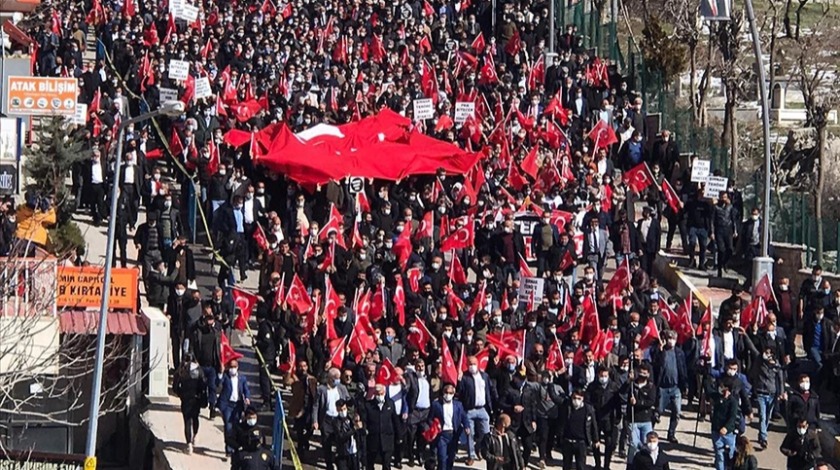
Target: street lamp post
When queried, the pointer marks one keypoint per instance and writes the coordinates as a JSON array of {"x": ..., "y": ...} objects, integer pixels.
[
  {"x": 171, "y": 108},
  {"x": 762, "y": 264}
]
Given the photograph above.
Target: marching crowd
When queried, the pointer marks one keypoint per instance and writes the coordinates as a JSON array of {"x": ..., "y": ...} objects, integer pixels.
[{"x": 404, "y": 317}]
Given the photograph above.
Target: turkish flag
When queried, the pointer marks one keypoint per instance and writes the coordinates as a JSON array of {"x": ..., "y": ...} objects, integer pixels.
[
  {"x": 456, "y": 271},
  {"x": 419, "y": 335},
  {"x": 639, "y": 177},
  {"x": 555, "y": 109},
  {"x": 764, "y": 290},
  {"x": 683, "y": 325},
  {"x": 414, "y": 275},
  {"x": 361, "y": 342},
  {"x": 602, "y": 344},
  {"x": 525, "y": 121},
  {"x": 444, "y": 123},
  {"x": 377, "y": 303},
  {"x": 377, "y": 49},
  {"x": 331, "y": 305},
  {"x": 514, "y": 44},
  {"x": 260, "y": 239},
  {"x": 536, "y": 76},
  {"x": 590, "y": 324},
  {"x": 220, "y": 107},
  {"x": 433, "y": 431},
  {"x": 602, "y": 135},
  {"x": 477, "y": 303},
  {"x": 280, "y": 293},
  {"x": 671, "y": 196},
  {"x": 524, "y": 269},
  {"x": 566, "y": 261},
  {"x": 448, "y": 371},
  {"x": 387, "y": 373},
  {"x": 461, "y": 238},
  {"x": 245, "y": 302},
  {"x": 668, "y": 313},
  {"x": 554, "y": 359},
  {"x": 289, "y": 366},
  {"x": 176, "y": 147},
  {"x": 429, "y": 82},
  {"x": 425, "y": 44},
  {"x": 478, "y": 43},
  {"x": 649, "y": 335},
  {"x": 706, "y": 319},
  {"x": 427, "y": 226},
  {"x": 227, "y": 352},
  {"x": 287, "y": 11},
  {"x": 399, "y": 301},
  {"x": 512, "y": 342},
  {"x": 619, "y": 281},
  {"x": 356, "y": 237},
  {"x": 363, "y": 304},
  {"x": 455, "y": 304},
  {"x": 529, "y": 163},
  {"x": 483, "y": 357},
  {"x": 297, "y": 298},
  {"x": 337, "y": 347},
  {"x": 515, "y": 178},
  {"x": 333, "y": 224},
  {"x": 488, "y": 75}
]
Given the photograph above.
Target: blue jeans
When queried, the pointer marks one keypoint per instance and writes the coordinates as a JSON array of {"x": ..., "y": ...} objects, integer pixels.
[
  {"x": 720, "y": 444},
  {"x": 696, "y": 235},
  {"x": 671, "y": 398},
  {"x": 231, "y": 415},
  {"x": 766, "y": 403},
  {"x": 481, "y": 418},
  {"x": 638, "y": 434},
  {"x": 815, "y": 355},
  {"x": 447, "y": 447},
  {"x": 619, "y": 258},
  {"x": 210, "y": 373}
]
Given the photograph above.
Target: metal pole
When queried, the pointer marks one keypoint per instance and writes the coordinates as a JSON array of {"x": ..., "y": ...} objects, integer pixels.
[
  {"x": 93, "y": 419},
  {"x": 552, "y": 27},
  {"x": 763, "y": 264}
]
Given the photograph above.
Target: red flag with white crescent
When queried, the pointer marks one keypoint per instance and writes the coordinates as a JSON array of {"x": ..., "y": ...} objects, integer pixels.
[
  {"x": 448, "y": 371},
  {"x": 245, "y": 302},
  {"x": 387, "y": 373}
]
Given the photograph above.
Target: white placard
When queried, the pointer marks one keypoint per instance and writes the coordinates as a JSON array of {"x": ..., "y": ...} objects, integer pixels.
[
  {"x": 187, "y": 12},
  {"x": 175, "y": 5},
  {"x": 168, "y": 94},
  {"x": 529, "y": 285},
  {"x": 424, "y": 109},
  {"x": 178, "y": 69},
  {"x": 463, "y": 110},
  {"x": 81, "y": 114},
  {"x": 700, "y": 171},
  {"x": 202, "y": 88},
  {"x": 714, "y": 186}
]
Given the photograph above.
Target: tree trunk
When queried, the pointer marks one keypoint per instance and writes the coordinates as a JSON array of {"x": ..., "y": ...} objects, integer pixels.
[
  {"x": 818, "y": 196},
  {"x": 772, "y": 58},
  {"x": 692, "y": 81},
  {"x": 729, "y": 136}
]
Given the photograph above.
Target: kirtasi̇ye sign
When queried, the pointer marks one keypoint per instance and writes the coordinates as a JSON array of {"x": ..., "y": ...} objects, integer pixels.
[
  {"x": 42, "y": 95},
  {"x": 81, "y": 287}
]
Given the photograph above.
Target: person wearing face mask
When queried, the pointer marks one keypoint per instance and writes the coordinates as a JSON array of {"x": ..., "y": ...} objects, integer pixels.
[
  {"x": 801, "y": 446},
  {"x": 266, "y": 343},
  {"x": 191, "y": 387},
  {"x": 325, "y": 412},
  {"x": 671, "y": 379},
  {"x": 382, "y": 422},
  {"x": 478, "y": 395},
  {"x": 502, "y": 451},
  {"x": 579, "y": 432},
  {"x": 605, "y": 398},
  {"x": 176, "y": 310},
  {"x": 390, "y": 348},
  {"x": 642, "y": 400},
  {"x": 595, "y": 249},
  {"x": 519, "y": 401},
  {"x": 803, "y": 404},
  {"x": 452, "y": 419},
  {"x": 234, "y": 396},
  {"x": 419, "y": 400},
  {"x": 304, "y": 388},
  {"x": 507, "y": 246},
  {"x": 349, "y": 432},
  {"x": 545, "y": 241},
  {"x": 651, "y": 456},
  {"x": 238, "y": 438},
  {"x": 817, "y": 339},
  {"x": 808, "y": 293},
  {"x": 769, "y": 385},
  {"x": 724, "y": 421}
]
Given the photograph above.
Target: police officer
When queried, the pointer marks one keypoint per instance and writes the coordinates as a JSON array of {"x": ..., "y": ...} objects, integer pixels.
[
  {"x": 604, "y": 396},
  {"x": 254, "y": 456},
  {"x": 267, "y": 346},
  {"x": 238, "y": 438}
]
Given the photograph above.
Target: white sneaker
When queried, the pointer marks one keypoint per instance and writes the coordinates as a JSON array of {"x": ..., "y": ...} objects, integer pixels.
[{"x": 189, "y": 448}]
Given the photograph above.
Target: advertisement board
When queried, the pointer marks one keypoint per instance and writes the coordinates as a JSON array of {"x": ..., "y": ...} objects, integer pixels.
[{"x": 44, "y": 96}]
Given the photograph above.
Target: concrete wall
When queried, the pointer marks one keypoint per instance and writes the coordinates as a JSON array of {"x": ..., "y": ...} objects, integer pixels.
[{"x": 791, "y": 264}]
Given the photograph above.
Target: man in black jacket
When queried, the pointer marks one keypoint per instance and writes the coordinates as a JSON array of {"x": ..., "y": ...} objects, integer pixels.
[
  {"x": 672, "y": 379},
  {"x": 380, "y": 417},
  {"x": 604, "y": 397},
  {"x": 642, "y": 399},
  {"x": 725, "y": 223},
  {"x": 650, "y": 456},
  {"x": 699, "y": 215},
  {"x": 801, "y": 446},
  {"x": 580, "y": 432},
  {"x": 650, "y": 234},
  {"x": 477, "y": 393},
  {"x": 158, "y": 283},
  {"x": 206, "y": 344},
  {"x": 266, "y": 344}
]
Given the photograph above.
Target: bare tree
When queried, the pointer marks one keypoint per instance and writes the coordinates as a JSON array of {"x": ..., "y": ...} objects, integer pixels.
[
  {"x": 734, "y": 76},
  {"x": 45, "y": 373},
  {"x": 815, "y": 54}
]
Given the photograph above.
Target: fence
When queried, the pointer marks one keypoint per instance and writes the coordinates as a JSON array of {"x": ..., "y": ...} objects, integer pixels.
[
  {"x": 792, "y": 221},
  {"x": 598, "y": 30}
]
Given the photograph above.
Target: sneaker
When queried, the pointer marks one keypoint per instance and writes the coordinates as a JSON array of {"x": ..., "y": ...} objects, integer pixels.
[
  {"x": 189, "y": 448},
  {"x": 212, "y": 413},
  {"x": 542, "y": 464},
  {"x": 673, "y": 440},
  {"x": 470, "y": 462}
]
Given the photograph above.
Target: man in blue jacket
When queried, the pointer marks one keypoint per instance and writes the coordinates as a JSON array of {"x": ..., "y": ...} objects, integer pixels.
[
  {"x": 233, "y": 399},
  {"x": 453, "y": 421},
  {"x": 672, "y": 379},
  {"x": 477, "y": 395}
]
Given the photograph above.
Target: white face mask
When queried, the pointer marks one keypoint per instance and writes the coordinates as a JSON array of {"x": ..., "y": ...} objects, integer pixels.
[
  {"x": 805, "y": 386},
  {"x": 784, "y": 287},
  {"x": 342, "y": 413},
  {"x": 232, "y": 371},
  {"x": 435, "y": 265},
  {"x": 590, "y": 277},
  {"x": 380, "y": 398},
  {"x": 731, "y": 373},
  {"x": 252, "y": 421},
  {"x": 653, "y": 446},
  {"x": 801, "y": 431},
  {"x": 473, "y": 369},
  {"x": 448, "y": 397},
  {"x": 577, "y": 403}
]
